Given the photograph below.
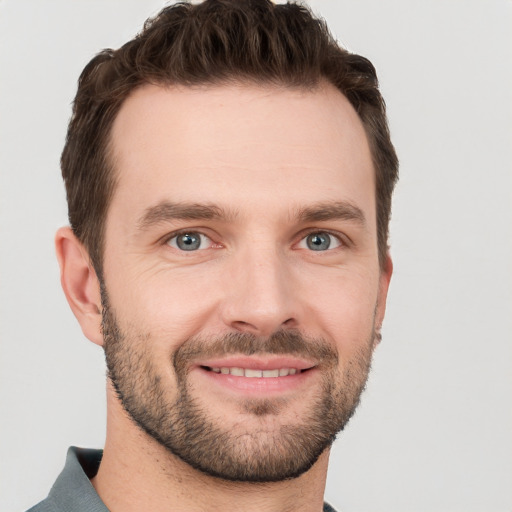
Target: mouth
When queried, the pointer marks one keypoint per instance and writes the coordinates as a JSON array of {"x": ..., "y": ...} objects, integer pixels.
[
  {"x": 257, "y": 376},
  {"x": 255, "y": 372}
]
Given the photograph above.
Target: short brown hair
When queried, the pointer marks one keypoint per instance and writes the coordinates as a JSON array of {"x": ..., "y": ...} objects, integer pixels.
[{"x": 214, "y": 42}]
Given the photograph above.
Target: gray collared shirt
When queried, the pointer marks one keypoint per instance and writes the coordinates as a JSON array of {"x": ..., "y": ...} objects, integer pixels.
[{"x": 73, "y": 491}]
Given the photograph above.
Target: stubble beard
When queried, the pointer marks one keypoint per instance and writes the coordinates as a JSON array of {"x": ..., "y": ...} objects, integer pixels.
[{"x": 262, "y": 450}]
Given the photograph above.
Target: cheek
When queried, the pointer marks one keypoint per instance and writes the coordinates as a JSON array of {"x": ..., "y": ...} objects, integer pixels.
[
  {"x": 346, "y": 310},
  {"x": 169, "y": 304}
]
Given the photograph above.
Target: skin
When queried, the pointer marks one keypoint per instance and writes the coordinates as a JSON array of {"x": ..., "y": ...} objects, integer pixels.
[{"x": 262, "y": 154}]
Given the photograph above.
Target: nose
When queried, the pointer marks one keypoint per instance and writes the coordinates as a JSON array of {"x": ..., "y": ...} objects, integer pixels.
[{"x": 259, "y": 294}]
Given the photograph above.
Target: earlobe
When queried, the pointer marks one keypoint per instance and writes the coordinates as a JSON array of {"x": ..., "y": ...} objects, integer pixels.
[
  {"x": 80, "y": 283},
  {"x": 384, "y": 280}
]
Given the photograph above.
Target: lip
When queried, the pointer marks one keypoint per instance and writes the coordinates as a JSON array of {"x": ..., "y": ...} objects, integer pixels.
[
  {"x": 256, "y": 386},
  {"x": 258, "y": 363}
]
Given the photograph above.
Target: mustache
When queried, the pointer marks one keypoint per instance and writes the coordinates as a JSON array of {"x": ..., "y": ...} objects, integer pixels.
[{"x": 289, "y": 342}]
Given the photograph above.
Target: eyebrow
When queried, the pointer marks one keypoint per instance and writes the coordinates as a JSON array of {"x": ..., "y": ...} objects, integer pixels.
[
  {"x": 168, "y": 211},
  {"x": 332, "y": 210}
]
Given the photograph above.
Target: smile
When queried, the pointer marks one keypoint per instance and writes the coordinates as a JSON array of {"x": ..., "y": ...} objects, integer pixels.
[
  {"x": 258, "y": 376},
  {"x": 255, "y": 373}
]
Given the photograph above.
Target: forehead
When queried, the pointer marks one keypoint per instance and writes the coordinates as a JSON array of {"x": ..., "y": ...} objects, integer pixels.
[{"x": 239, "y": 145}]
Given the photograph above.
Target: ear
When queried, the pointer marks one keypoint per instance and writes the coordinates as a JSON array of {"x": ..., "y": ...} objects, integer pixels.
[
  {"x": 80, "y": 283},
  {"x": 384, "y": 279}
]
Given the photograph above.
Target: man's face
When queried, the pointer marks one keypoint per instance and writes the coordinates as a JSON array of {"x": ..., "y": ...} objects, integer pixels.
[{"x": 242, "y": 282}]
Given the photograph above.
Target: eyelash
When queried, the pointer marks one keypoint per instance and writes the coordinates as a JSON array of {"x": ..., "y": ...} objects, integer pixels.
[
  {"x": 341, "y": 239},
  {"x": 176, "y": 234}
]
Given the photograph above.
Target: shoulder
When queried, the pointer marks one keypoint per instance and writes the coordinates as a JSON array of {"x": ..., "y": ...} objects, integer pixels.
[
  {"x": 44, "y": 506},
  {"x": 73, "y": 491}
]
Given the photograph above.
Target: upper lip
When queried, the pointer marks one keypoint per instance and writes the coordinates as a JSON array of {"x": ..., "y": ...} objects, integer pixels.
[{"x": 258, "y": 362}]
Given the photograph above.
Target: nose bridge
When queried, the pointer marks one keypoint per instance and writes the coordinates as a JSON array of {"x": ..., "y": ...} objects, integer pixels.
[{"x": 259, "y": 297}]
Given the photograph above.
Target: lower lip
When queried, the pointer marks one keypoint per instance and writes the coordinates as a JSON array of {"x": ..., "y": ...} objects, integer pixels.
[{"x": 257, "y": 385}]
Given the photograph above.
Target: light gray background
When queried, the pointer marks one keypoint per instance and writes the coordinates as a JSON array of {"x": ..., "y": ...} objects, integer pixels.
[{"x": 434, "y": 430}]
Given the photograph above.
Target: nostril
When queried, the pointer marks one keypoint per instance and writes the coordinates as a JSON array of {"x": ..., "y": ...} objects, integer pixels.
[
  {"x": 263, "y": 328},
  {"x": 243, "y": 326}
]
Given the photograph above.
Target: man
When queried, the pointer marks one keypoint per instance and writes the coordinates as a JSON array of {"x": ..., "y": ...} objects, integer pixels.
[{"x": 229, "y": 177}]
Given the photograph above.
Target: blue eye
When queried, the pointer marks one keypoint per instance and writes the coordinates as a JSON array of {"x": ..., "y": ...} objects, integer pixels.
[
  {"x": 189, "y": 241},
  {"x": 319, "y": 241}
]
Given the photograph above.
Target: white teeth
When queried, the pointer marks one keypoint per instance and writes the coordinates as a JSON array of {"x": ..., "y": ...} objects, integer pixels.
[
  {"x": 248, "y": 372},
  {"x": 253, "y": 373}
]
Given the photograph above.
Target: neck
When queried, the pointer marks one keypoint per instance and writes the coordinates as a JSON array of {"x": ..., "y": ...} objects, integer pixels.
[{"x": 137, "y": 473}]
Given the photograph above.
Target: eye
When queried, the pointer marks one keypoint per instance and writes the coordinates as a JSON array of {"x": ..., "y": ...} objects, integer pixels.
[
  {"x": 319, "y": 241},
  {"x": 190, "y": 241}
]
